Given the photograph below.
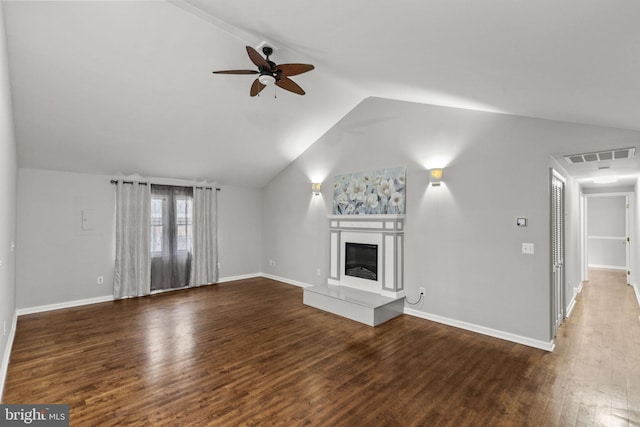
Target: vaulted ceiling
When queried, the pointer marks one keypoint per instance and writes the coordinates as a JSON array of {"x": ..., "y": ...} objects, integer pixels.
[{"x": 122, "y": 87}]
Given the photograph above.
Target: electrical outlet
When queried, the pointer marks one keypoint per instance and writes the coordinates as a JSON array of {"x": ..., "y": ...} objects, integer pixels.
[
  {"x": 13, "y": 246},
  {"x": 318, "y": 272},
  {"x": 272, "y": 263},
  {"x": 100, "y": 280},
  {"x": 422, "y": 291},
  {"x": 218, "y": 266}
]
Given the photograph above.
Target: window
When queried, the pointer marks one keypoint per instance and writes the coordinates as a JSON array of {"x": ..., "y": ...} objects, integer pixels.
[
  {"x": 181, "y": 223},
  {"x": 171, "y": 236}
]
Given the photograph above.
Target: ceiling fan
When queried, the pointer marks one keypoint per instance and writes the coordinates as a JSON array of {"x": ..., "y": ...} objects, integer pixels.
[{"x": 270, "y": 73}]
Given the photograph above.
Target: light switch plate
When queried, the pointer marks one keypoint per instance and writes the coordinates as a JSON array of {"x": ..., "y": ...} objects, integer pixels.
[{"x": 528, "y": 248}]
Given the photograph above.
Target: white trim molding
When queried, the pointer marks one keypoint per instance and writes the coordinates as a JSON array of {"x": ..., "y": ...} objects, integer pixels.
[
  {"x": 608, "y": 267},
  {"x": 507, "y": 336},
  {"x": 107, "y": 298},
  {"x": 7, "y": 354},
  {"x": 68, "y": 304},
  {"x": 239, "y": 277},
  {"x": 572, "y": 303},
  {"x": 285, "y": 280},
  {"x": 637, "y": 291}
]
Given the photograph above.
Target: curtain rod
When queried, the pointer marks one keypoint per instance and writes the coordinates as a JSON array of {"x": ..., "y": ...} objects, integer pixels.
[{"x": 113, "y": 181}]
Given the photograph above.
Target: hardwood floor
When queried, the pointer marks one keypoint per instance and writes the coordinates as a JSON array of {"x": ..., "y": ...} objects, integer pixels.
[{"x": 250, "y": 353}]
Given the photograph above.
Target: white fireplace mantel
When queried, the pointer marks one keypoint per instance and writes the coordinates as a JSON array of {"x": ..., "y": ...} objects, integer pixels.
[{"x": 386, "y": 231}]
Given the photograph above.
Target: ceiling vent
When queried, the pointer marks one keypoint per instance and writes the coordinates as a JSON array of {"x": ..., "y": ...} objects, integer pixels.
[{"x": 618, "y": 153}]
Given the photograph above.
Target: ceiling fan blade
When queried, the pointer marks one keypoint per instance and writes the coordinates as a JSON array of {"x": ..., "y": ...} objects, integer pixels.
[
  {"x": 287, "y": 84},
  {"x": 257, "y": 59},
  {"x": 294, "y": 69},
  {"x": 236, "y": 72},
  {"x": 256, "y": 87}
]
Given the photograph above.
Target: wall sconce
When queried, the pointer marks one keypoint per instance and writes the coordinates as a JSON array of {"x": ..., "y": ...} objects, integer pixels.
[
  {"x": 435, "y": 176},
  {"x": 315, "y": 188}
]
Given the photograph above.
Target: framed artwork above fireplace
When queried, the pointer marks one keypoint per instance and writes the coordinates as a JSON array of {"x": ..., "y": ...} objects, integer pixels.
[{"x": 376, "y": 192}]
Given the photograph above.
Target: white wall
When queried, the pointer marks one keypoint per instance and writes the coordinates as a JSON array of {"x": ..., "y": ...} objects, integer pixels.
[
  {"x": 8, "y": 179},
  {"x": 239, "y": 231},
  {"x": 59, "y": 262},
  {"x": 462, "y": 243}
]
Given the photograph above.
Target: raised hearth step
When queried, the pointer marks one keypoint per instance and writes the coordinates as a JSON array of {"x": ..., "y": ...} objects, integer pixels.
[{"x": 365, "y": 307}]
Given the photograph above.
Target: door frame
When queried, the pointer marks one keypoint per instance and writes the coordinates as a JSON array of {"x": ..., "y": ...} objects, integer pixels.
[
  {"x": 584, "y": 231},
  {"x": 557, "y": 290}
]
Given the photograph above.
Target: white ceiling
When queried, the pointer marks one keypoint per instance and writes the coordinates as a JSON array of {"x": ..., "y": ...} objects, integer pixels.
[{"x": 122, "y": 87}]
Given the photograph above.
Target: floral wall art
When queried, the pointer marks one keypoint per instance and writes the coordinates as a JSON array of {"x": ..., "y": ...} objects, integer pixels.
[{"x": 369, "y": 193}]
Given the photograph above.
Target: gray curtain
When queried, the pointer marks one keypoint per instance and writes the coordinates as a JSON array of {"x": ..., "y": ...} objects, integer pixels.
[
  {"x": 204, "y": 268},
  {"x": 132, "y": 265},
  {"x": 171, "y": 234}
]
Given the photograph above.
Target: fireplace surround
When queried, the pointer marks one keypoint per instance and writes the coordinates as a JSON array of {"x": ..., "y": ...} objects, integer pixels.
[{"x": 385, "y": 233}]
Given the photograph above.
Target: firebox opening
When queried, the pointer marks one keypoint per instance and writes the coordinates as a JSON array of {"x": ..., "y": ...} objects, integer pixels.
[{"x": 361, "y": 260}]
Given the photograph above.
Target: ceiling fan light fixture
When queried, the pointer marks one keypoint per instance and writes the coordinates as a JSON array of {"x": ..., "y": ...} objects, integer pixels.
[
  {"x": 269, "y": 73},
  {"x": 267, "y": 79}
]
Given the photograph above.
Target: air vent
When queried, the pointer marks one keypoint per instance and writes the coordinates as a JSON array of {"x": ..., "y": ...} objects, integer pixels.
[{"x": 619, "y": 153}]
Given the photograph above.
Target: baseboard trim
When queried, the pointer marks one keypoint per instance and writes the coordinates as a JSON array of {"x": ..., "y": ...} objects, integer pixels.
[
  {"x": 68, "y": 304},
  {"x": 285, "y": 280},
  {"x": 7, "y": 354},
  {"x": 106, "y": 298},
  {"x": 547, "y": 346},
  {"x": 240, "y": 277},
  {"x": 572, "y": 304},
  {"x": 608, "y": 267},
  {"x": 542, "y": 345},
  {"x": 637, "y": 291}
]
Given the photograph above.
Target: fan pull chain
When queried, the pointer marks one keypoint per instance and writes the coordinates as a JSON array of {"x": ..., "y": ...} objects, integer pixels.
[{"x": 275, "y": 96}]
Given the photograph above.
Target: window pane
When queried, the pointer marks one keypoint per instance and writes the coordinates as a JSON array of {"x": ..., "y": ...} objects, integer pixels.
[
  {"x": 156, "y": 210},
  {"x": 156, "y": 238},
  {"x": 183, "y": 223},
  {"x": 181, "y": 234},
  {"x": 157, "y": 205}
]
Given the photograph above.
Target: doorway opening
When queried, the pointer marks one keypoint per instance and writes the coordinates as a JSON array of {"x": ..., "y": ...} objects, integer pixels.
[{"x": 606, "y": 231}]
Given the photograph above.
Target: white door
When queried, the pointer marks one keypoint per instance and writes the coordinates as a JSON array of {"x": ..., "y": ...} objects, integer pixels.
[{"x": 557, "y": 252}]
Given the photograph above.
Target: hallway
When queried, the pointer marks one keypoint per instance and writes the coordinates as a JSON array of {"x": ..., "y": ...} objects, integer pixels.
[{"x": 598, "y": 356}]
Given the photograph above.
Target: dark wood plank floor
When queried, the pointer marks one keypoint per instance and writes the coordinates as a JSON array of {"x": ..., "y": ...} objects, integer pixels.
[{"x": 250, "y": 353}]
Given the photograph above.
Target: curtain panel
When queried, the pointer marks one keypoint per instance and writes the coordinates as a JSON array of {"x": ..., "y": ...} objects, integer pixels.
[
  {"x": 204, "y": 268},
  {"x": 132, "y": 270}
]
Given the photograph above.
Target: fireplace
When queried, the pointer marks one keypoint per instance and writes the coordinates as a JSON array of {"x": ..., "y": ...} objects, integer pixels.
[
  {"x": 366, "y": 253},
  {"x": 366, "y": 256},
  {"x": 361, "y": 260}
]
